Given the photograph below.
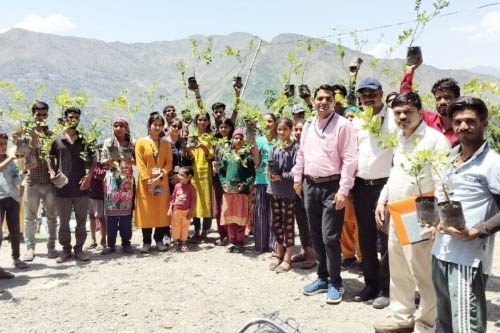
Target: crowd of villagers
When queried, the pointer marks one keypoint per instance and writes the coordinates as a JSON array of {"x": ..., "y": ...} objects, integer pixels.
[{"x": 330, "y": 174}]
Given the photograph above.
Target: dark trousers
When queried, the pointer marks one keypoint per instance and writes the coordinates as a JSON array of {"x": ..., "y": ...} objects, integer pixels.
[
  {"x": 158, "y": 235},
  {"x": 302, "y": 223},
  {"x": 326, "y": 226},
  {"x": 122, "y": 224},
  {"x": 376, "y": 273},
  {"x": 236, "y": 234},
  {"x": 9, "y": 208},
  {"x": 207, "y": 223}
]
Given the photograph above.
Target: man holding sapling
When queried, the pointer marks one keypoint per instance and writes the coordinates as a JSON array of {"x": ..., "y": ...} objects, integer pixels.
[
  {"x": 39, "y": 188},
  {"x": 445, "y": 91},
  {"x": 68, "y": 167},
  {"x": 219, "y": 108},
  {"x": 410, "y": 266},
  {"x": 374, "y": 165},
  {"x": 462, "y": 259}
]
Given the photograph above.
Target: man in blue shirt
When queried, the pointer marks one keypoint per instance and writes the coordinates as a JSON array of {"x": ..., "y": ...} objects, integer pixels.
[{"x": 461, "y": 260}]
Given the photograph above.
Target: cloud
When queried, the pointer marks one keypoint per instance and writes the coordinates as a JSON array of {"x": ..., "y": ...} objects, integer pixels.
[
  {"x": 3, "y": 30},
  {"x": 49, "y": 24},
  {"x": 383, "y": 51},
  {"x": 487, "y": 29}
]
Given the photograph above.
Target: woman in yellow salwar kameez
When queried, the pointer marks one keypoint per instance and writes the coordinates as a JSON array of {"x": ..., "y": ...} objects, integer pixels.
[
  {"x": 153, "y": 157},
  {"x": 202, "y": 155}
]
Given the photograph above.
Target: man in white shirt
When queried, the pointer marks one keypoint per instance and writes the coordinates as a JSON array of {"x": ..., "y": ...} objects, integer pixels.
[
  {"x": 410, "y": 265},
  {"x": 374, "y": 166}
]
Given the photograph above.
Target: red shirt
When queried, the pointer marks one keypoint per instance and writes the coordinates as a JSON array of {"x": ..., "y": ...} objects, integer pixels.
[
  {"x": 184, "y": 196},
  {"x": 432, "y": 119}
]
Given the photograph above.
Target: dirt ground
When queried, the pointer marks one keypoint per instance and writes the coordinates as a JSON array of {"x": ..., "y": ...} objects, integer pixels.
[{"x": 203, "y": 290}]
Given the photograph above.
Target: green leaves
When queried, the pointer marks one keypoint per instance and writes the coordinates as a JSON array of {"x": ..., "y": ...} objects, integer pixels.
[
  {"x": 64, "y": 100},
  {"x": 373, "y": 123},
  {"x": 485, "y": 90}
]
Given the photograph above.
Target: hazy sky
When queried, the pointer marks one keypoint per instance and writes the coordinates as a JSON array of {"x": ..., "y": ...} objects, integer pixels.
[{"x": 457, "y": 41}]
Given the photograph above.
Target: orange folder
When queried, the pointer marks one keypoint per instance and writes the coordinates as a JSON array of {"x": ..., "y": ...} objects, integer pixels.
[{"x": 404, "y": 216}]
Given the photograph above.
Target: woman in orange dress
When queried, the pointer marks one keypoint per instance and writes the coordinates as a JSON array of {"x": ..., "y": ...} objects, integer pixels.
[{"x": 154, "y": 161}]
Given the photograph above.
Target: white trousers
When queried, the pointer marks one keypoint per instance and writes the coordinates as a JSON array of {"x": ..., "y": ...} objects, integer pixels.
[{"x": 411, "y": 269}]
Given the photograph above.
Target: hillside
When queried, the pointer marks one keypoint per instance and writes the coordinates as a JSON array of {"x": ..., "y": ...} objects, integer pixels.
[{"x": 102, "y": 69}]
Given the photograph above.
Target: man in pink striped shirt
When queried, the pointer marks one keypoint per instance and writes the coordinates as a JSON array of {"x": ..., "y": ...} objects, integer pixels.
[{"x": 324, "y": 172}]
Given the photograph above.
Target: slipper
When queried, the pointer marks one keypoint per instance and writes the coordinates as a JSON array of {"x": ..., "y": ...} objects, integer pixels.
[
  {"x": 298, "y": 257},
  {"x": 308, "y": 264},
  {"x": 283, "y": 267},
  {"x": 19, "y": 264},
  {"x": 275, "y": 263}
]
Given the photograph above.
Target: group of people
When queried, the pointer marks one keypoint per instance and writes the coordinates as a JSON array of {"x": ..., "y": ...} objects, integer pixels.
[{"x": 330, "y": 174}]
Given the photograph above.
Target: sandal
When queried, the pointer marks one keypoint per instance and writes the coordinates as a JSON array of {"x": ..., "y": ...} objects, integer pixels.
[
  {"x": 19, "y": 264},
  {"x": 308, "y": 264},
  {"x": 283, "y": 267},
  {"x": 275, "y": 263},
  {"x": 298, "y": 257}
]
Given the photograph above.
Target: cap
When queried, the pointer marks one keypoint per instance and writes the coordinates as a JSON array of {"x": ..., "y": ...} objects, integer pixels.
[
  {"x": 297, "y": 109},
  {"x": 238, "y": 131},
  {"x": 370, "y": 83}
]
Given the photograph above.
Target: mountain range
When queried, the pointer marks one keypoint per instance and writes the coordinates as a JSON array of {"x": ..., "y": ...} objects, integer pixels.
[{"x": 104, "y": 69}]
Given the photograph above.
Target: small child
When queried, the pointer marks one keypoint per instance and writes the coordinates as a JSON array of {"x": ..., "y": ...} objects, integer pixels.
[
  {"x": 182, "y": 206},
  {"x": 280, "y": 164},
  {"x": 10, "y": 198},
  {"x": 236, "y": 174},
  {"x": 96, "y": 205}
]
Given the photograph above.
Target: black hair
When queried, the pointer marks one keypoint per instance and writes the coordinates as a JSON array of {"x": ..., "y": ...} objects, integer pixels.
[
  {"x": 230, "y": 124},
  {"x": 72, "y": 109},
  {"x": 446, "y": 84},
  {"x": 176, "y": 120},
  {"x": 390, "y": 96},
  {"x": 299, "y": 121},
  {"x": 170, "y": 106},
  {"x": 407, "y": 98},
  {"x": 218, "y": 105},
  {"x": 154, "y": 116},
  {"x": 326, "y": 87},
  {"x": 188, "y": 170},
  {"x": 342, "y": 88},
  {"x": 287, "y": 121},
  {"x": 39, "y": 105},
  {"x": 4, "y": 136},
  {"x": 469, "y": 103},
  {"x": 209, "y": 126}
]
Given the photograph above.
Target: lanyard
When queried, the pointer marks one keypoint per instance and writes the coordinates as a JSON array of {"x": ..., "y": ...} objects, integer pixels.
[
  {"x": 155, "y": 151},
  {"x": 322, "y": 135}
]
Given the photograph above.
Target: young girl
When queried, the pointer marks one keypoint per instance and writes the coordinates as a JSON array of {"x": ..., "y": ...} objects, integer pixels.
[
  {"x": 306, "y": 255},
  {"x": 280, "y": 164},
  {"x": 224, "y": 135},
  {"x": 263, "y": 236},
  {"x": 182, "y": 207},
  {"x": 236, "y": 175},
  {"x": 202, "y": 156}
]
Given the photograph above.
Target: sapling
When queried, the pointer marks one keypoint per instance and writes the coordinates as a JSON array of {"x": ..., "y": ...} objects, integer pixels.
[{"x": 373, "y": 124}]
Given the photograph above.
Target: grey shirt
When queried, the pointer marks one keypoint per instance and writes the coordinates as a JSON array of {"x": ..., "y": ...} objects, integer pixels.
[{"x": 284, "y": 160}]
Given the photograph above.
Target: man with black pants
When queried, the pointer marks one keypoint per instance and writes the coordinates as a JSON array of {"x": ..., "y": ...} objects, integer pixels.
[
  {"x": 324, "y": 173},
  {"x": 374, "y": 166}
]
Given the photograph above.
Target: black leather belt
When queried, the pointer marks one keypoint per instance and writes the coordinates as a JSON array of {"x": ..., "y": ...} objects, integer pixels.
[
  {"x": 319, "y": 180},
  {"x": 372, "y": 182}
]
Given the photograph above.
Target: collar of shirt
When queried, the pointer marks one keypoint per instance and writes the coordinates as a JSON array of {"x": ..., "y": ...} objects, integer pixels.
[
  {"x": 321, "y": 123},
  {"x": 64, "y": 137},
  {"x": 457, "y": 150},
  {"x": 419, "y": 132}
]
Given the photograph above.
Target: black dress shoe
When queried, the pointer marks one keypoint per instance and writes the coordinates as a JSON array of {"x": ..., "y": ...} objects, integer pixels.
[{"x": 366, "y": 294}]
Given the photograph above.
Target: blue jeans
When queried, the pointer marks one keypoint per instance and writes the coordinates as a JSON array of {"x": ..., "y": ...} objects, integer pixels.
[{"x": 121, "y": 223}]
